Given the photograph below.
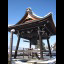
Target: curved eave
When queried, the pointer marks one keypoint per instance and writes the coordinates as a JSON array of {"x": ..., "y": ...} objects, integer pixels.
[
  {"x": 31, "y": 14},
  {"x": 21, "y": 21},
  {"x": 52, "y": 24},
  {"x": 47, "y": 18}
]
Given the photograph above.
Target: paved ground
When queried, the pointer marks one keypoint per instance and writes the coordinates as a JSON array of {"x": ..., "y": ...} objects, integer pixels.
[{"x": 25, "y": 57}]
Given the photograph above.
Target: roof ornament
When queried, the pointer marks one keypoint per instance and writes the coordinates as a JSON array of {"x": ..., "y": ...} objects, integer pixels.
[{"x": 29, "y": 10}]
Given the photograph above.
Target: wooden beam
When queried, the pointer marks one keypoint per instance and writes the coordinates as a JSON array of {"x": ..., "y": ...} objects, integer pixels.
[
  {"x": 40, "y": 41},
  {"x": 49, "y": 48},
  {"x": 17, "y": 45}
]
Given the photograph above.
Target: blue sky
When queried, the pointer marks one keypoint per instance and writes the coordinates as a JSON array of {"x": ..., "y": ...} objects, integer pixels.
[{"x": 17, "y": 8}]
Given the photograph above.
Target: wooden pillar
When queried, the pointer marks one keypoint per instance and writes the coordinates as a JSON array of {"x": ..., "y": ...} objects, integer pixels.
[
  {"x": 28, "y": 53},
  {"x": 49, "y": 47},
  {"x": 11, "y": 44},
  {"x": 40, "y": 41},
  {"x": 23, "y": 53},
  {"x": 30, "y": 45},
  {"x": 32, "y": 53},
  {"x": 17, "y": 45}
]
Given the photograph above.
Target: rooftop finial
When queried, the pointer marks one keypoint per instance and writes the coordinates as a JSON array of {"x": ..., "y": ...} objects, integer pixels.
[{"x": 28, "y": 9}]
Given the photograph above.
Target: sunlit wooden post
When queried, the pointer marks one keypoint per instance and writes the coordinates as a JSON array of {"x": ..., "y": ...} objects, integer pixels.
[
  {"x": 11, "y": 44},
  {"x": 17, "y": 45}
]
